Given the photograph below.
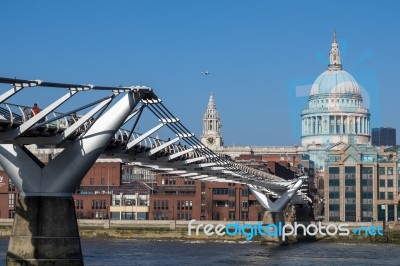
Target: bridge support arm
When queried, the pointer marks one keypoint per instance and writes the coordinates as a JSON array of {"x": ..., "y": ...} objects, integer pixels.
[{"x": 280, "y": 204}]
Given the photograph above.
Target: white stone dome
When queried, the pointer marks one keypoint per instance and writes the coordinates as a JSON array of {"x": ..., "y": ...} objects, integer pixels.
[{"x": 335, "y": 82}]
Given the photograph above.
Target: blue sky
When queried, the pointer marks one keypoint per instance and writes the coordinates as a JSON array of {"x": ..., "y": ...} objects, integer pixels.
[{"x": 258, "y": 54}]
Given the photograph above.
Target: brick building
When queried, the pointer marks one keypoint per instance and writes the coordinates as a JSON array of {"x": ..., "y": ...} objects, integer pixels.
[
  {"x": 118, "y": 191},
  {"x": 8, "y": 196},
  {"x": 185, "y": 199},
  {"x": 103, "y": 194}
]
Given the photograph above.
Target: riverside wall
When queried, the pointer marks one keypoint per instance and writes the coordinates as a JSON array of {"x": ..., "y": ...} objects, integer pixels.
[{"x": 170, "y": 229}]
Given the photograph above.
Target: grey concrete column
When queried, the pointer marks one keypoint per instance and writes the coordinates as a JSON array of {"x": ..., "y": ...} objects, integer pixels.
[
  {"x": 273, "y": 218},
  {"x": 341, "y": 124},
  {"x": 361, "y": 125},
  {"x": 315, "y": 125},
  {"x": 334, "y": 124},
  {"x": 45, "y": 232},
  {"x": 319, "y": 124},
  {"x": 364, "y": 126}
]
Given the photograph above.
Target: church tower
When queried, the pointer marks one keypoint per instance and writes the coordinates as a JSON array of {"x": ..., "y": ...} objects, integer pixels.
[{"x": 211, "y": 136}]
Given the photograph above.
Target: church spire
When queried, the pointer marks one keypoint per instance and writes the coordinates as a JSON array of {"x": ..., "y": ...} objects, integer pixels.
[
  {"x": 334, "y": 55},
  {"x": 211, "y": 136}
]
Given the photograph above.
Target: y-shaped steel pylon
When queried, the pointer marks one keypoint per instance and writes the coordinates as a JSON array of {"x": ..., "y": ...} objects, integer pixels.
[{"x": 45, "y": 228}]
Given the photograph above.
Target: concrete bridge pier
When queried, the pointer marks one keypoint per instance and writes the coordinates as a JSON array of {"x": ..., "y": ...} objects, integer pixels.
[
  {"x": 45, "y": 230},
  {"x": 278, "y": 219}
]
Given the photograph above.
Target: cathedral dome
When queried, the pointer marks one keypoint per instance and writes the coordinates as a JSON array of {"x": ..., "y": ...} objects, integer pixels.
[
  {"x": 335, "y": 111},
  {"x": 335, "y": 81}
]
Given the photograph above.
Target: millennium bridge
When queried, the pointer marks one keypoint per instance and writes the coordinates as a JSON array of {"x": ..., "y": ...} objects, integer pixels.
[{"x": 77, "y": 133}]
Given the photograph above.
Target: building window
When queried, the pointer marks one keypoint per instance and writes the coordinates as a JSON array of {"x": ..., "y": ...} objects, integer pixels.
[
  {"x": 367, "y": 158},
  {"x": 232, "y": 216},
  {"x": 220, "y": 191},
  {"x": 189, "y": 181},
  {"x": 334, "y": 212},
  {"x": 231, "y": 204},
  {"x": 91, "y": 181},
  {"x": 350, "y": 194},
  {"x": 381, "y": 170},
  {"x": 11, "y": 186},
  {"x": 11, "y": 200},
  {"x": 220, "y": 203},
  {"x": 381, "y": 195},
  {"x": 11, "y": 214},
  {"x": 245, "y": 216},
  {"x": 245, "y": 192},
  {"x": 390, "y": 195},
  {"x": 366, "y": 195},
  {"x": 334, "y": 158},
  {"x": 245, "y": 204},
  {"x": 334, "y": 195},
  {"x": 390, "y": 170},
  {"x": 79, "y": 204},
  {"x": 382, "y": 183},
  {"x": 390, "y": 183},
  {"x": 350, "y": 212}
]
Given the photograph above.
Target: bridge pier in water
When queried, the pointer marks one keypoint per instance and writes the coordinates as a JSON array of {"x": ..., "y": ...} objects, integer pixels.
[
  {"x": 45, "y": 232},
  {"x": 277, "y": 219}
]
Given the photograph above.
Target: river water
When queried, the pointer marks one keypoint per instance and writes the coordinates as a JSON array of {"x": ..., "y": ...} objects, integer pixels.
[{"x": 193, "y": 252}]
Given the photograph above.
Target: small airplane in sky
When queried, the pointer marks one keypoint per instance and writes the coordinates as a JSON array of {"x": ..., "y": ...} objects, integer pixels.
[{"x": 205, "y": 73}]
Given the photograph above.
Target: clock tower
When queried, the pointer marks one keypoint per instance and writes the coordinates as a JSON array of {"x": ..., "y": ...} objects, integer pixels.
[{"x": 211, "y": 136}]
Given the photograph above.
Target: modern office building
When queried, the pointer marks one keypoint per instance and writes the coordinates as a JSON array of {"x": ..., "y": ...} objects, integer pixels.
[
  {"x": 363, "y": 183},
  {"x": 384, "y": 136}
]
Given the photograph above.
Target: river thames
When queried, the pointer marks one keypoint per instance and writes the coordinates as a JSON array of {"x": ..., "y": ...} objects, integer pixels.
[{"x": 198, "y": 252}]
